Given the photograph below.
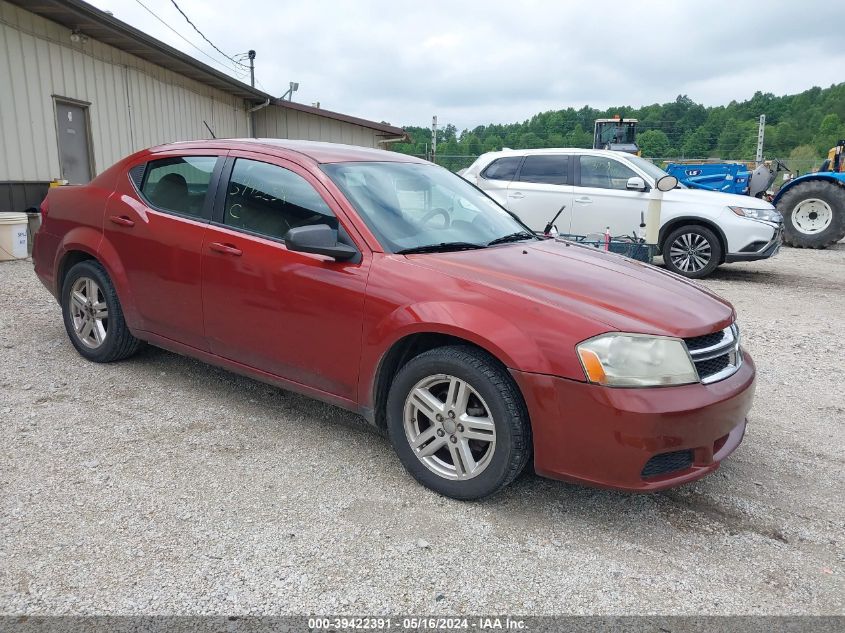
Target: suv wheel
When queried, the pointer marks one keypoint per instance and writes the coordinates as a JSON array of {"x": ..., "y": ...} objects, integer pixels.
[
  {"x": 92, "y": 314},
  {"x": 692, "y": 251},
  {"x": 458, "y": 423}
]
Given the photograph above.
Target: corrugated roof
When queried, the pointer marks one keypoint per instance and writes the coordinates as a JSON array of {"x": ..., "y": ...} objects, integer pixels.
[{"x": 101, "y": 26}]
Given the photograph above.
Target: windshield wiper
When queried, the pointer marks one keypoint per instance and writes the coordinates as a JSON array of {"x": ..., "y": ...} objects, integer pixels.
[
  {"x": 512, "y": 237},
  {"x": 442, "y": 247}
]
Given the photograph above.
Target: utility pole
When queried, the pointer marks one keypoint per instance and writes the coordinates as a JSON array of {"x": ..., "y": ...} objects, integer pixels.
[
  {"x": 434, "y": 138},
  {"x": 251, "y": 55},
  {"x": 761, "y": 132}
]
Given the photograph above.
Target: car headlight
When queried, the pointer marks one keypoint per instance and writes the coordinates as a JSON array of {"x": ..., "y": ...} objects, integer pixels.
[
  {"x": 769, "y": 215},
  {"x": 636, "y": 360}
]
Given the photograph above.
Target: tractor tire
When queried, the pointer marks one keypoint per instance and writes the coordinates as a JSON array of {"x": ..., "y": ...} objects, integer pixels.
[{"x": 813, "y": 214}]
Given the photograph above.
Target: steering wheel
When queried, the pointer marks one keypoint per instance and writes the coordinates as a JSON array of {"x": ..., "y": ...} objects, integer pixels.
[{"x": 447, "y": 220}]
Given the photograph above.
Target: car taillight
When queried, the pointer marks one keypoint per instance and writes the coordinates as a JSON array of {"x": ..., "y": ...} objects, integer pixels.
[{"x": 45, "y": 207}]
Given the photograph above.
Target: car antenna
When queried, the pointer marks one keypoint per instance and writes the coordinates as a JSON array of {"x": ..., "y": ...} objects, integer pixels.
[
  {"x": 547, "y": 230},
  {"x": 210, "y": 131}
]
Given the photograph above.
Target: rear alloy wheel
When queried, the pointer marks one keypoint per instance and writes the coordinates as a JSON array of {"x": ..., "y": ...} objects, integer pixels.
[
  {"x": 89, "y": 312},
  {"x": 692, "y": 251},
  {"x": 93, "y": 316},
  {"x": 458, "y": 423}
]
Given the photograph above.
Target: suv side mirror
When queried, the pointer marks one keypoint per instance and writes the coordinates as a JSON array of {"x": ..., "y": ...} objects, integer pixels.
[
  {"x": 666, "y": 183},
  {"x": 320, "y": 239},
  {"x": 635, "y": 183}
]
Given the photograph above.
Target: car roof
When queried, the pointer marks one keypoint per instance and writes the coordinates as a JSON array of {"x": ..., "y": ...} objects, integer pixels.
[
  {"x": 318, "y": 151},
  {"x": 553, "y": 150}
]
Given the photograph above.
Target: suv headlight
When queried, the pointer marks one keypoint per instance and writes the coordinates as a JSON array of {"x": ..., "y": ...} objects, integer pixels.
[
  {"x": 636, "y": 360},
  {"x": 769, "y": 215}
]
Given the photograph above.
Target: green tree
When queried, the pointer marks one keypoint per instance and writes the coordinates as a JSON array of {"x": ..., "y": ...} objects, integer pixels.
[
  {"x": 696, "y": 144},
  {"x": 492, "y": 143},
  {"x": 830, "y": 131},
  {"x": 578, "y": 137},
  {"x": 530, "y": 140},
  {"x": 730, "y": 138},
  {"x": 811, "y": 118},
  {"x": 654, "y": 144},
  {"x": 803, "y": 159}
]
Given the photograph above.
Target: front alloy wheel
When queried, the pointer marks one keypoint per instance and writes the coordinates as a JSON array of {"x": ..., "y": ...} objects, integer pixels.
[
  {"x": 458, "y": 422},
  {"x": 692, "y": 251},
  {"x": 449, "y": 427}
]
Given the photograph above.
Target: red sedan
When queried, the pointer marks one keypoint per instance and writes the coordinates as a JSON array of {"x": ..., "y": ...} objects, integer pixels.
[{"x": 390, "y": 287}]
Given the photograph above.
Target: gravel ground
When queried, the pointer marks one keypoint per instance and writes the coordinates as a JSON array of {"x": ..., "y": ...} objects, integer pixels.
[{"x": 163, "y": 485}]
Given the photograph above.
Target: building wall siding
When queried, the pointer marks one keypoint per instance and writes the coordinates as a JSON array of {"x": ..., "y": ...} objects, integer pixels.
[
  {"x": 133, "y": 104},
  {"x": 280, "y": 122}
]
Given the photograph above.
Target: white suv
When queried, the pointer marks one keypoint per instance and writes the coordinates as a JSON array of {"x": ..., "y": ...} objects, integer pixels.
[{"x": 699, "y": 230}]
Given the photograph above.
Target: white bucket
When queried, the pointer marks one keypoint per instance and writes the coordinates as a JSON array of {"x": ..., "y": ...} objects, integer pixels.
[{"x": 13, "y": 236}]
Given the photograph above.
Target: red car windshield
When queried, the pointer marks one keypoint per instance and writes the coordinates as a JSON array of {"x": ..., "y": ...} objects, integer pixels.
[{"x": 411, "y": 206}]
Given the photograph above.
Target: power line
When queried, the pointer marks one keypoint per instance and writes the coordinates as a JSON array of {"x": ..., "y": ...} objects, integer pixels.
[
  {"x": 189, "y": 42},
  {"x": 204, "y": 37}
]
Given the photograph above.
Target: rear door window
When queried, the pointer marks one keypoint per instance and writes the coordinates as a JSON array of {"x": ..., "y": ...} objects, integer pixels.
[
  {"x": 179, "y": 184},
  {"x": 502, "y": 168},
  {"x": 545, "y": 169}
]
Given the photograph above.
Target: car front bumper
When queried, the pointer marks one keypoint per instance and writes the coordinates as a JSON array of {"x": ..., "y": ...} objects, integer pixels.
[
  {"x": 769, "y": 250},
  {"x": 606, "y": 437}
]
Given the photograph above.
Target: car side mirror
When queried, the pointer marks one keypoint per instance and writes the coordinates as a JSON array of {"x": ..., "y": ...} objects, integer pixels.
[
  {"x": 666, "y": 183},
  {"x": 320, "y": 239},
  {"x": 635, "y": 183}
]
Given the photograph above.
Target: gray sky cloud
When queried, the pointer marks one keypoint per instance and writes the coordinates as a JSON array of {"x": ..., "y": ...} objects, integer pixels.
[{"x": 474, "y": 63}]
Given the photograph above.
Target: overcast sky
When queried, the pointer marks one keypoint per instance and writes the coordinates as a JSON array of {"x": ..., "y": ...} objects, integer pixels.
[{"x": 474, "y": 63}]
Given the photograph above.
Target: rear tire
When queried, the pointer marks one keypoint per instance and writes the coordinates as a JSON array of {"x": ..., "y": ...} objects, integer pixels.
[
  {"x": 466, "y": 418},
  {"x": 692, "y": 251},
  {"x": 93, "y": 316},
  {"x": 813, "y": 214}
]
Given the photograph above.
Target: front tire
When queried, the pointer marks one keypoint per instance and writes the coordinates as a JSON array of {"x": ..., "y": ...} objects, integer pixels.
[
  {"x": 813, "y": 214},
  {"x": 692, "y": 251},
  {"x": 93, "y": 316},
  {"x": 458, "y": 423}
]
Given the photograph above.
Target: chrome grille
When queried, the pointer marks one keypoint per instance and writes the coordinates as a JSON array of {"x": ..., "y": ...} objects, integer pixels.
[{"x": 716, "y": 356}]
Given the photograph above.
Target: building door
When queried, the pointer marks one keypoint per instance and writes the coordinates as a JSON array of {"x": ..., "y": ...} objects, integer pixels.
[{"x": 74, "y": 148}]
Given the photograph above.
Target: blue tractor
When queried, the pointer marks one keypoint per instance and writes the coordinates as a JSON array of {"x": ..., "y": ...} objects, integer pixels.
[{"x": 813, "y": 205}]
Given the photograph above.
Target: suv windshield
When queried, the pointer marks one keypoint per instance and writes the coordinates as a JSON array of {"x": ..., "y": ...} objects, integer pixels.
[
  {"x": 412, "y": 206},
  {"x": 647, "y": 166}
]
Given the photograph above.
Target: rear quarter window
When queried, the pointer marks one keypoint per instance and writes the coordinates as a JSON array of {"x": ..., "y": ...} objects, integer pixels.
[{"x": 502, "y": 168}]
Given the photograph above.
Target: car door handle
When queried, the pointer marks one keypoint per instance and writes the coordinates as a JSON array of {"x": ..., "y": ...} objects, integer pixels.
[
  {"x": 226, "y": 249},
  {"x": 122, "y": 220},
  {"x": 517, "y": 195},
  {"x": 584, "y": 200}
]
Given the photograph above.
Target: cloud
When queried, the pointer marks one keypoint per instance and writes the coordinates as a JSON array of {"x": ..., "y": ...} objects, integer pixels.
[{"x": 478, "y": 62}]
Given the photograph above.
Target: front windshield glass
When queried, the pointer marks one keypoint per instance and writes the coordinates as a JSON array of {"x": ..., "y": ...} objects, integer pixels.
[
  {"x": 647, "y": 166},
  {"x": 413, "y": 205}
]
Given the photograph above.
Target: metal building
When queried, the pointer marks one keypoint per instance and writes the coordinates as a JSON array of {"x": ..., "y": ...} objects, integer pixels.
[{"x": 80, "y": 89}]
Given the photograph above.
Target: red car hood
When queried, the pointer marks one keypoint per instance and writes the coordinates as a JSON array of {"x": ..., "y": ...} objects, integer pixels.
[{"x": 623, "y": 294}]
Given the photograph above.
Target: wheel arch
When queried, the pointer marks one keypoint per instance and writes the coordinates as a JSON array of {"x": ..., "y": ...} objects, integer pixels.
[
  {"x": 78, "y": 247},
  {"x": 836, "y": 179},
  {"x": 413, "y": 342},
  {"x": 691, "y": 220}
]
